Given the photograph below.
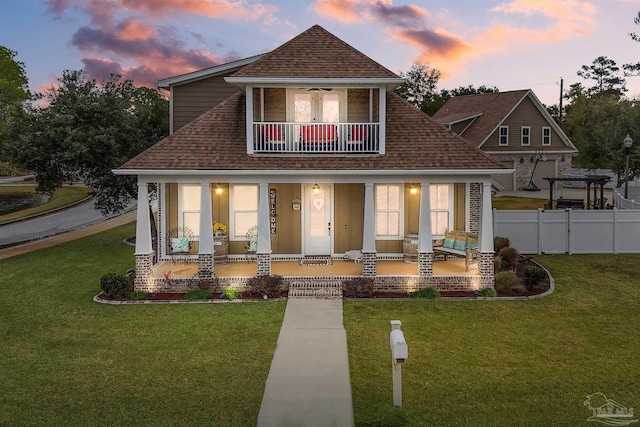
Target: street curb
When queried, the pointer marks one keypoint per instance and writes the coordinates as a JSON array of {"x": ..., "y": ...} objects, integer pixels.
[{"x": 52, "y": 211}]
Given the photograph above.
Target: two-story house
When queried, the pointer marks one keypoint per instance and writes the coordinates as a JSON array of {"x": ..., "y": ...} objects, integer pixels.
[
  {"x": 516, "y": 129},
  {"x": 308, "y": 145}
]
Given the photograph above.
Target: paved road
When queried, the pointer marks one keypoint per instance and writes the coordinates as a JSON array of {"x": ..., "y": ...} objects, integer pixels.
[{"x": 75, "y": 218}]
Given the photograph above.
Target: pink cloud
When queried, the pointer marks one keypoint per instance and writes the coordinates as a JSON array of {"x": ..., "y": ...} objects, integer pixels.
[{"x": 347, "y": 11}]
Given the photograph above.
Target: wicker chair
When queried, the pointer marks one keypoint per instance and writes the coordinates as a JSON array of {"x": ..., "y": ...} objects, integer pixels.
[{"x": 179, "y": 243}]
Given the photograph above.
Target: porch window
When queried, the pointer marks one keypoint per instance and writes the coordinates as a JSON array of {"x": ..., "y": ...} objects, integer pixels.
[
  {"x": 388, "y": 211},
  {"x": 525, "y": 135},
  {"x": 244, "y": 210},
  {"x": 504, "y": 135},
  {"x": 441, "y": 208},
  {"x": 189, "y": 208},
  {"x": 546, "y": 135}
]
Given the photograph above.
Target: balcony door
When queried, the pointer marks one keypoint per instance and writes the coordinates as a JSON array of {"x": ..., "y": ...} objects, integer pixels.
[
  {"x": 317, "y": 220},
  {"x": 317, "y": 106}
]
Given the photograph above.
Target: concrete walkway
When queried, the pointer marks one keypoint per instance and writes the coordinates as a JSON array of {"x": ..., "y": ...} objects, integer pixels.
[{"x": 308, "y": 383}]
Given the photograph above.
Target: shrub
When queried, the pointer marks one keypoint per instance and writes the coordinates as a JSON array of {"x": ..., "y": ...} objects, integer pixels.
[
  {"x": 533, "y": 276},
  {"x": 510, "y": 255},
  {"x": 131, "y": 277},
  {"x": 209, "y": 283},
  {"x": 497, "y": 263},
  {"x": 265, "y": 285},
  {"x": 506, "y": 280},
  {"x": 360, "y": 287},
  {"x": 487, "y": 292},
  {"x": 429, "y": 293},
  {"x": 500, "y": 243},
  {"x": 230, "y": 294},
  {"x": 138, "y": 295},
  {"x": 114, "y": 285},
  {"x": 198, "y": 294}
]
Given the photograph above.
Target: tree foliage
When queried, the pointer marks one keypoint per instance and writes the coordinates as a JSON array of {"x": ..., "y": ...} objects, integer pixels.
[
  {"x": 13, "y": 88},
  {"x": 605, "y": 73},
  {"x": 633, "y": 69},
  {"x": 87, "y": 130},
  {"x": 420, "y": 86}
]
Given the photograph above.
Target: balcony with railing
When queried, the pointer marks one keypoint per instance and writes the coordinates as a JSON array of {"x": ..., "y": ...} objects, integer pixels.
[{"x": 316, "y": 138}]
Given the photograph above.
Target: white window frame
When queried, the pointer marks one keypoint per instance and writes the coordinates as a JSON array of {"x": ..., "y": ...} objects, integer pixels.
[
  {"x": 505, "y": 136},
  {"x": 449, "y": 209},
  {"x": 527, "y": 136},
  {"x": 546, "y": 139},
  {"x": 290, "y": 113},
  {"x": 182, "y": 211},
  {"x": 400, "y": 211},
  {"x": 231, "y": 230}
]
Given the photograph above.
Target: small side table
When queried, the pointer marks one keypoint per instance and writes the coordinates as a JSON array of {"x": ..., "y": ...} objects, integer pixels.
[{"x": 220, "y": 249}]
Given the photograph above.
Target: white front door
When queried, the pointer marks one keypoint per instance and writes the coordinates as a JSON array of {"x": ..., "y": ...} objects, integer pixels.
[{"x": 317, "y": 220}]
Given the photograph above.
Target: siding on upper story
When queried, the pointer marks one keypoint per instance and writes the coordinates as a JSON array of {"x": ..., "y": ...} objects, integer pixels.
[
  {"x": 194, "y": 98},
  {"x": 526, "y": 114}
]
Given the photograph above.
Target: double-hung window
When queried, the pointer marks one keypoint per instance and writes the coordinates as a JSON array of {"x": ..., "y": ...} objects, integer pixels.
[
  {"x": 189, "y": 208},
  {"x": 244, "y": 210},
  {"x": 441, "y": 208},
  {"x": 503, "y": 135},
  {"x": 389, "y": 217},
  {"x": 525, "y": 135},
  {"x": 546, "y": 135}
]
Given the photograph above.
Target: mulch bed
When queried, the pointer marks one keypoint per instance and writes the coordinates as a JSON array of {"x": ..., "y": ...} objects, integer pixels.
[{"x": 175, "y": 296}]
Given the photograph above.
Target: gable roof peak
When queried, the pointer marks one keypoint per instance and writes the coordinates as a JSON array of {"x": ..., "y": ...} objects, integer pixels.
[{"x": 315, "y": 53}]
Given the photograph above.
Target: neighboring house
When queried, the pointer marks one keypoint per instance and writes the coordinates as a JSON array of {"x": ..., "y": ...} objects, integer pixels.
[
  {"x": 328, "y": 161},
  {"x": 516, "y": 129}
]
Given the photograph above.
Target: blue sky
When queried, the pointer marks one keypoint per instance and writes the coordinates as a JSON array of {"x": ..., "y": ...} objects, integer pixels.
[{"x": 512, "y": 44}]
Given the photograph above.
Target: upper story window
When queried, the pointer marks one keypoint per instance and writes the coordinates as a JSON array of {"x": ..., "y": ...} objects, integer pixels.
[
  {"x": 504, "y": 135},
  {"x": 243, "y": 208},
  {"x": 189, "y": 208},
  {"x": 525, "y": 135},
  {"x": 546, "y": 135},
  {"x": 389, "y": 211}
]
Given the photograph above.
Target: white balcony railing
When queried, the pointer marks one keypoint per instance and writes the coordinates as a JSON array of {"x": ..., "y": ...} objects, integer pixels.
[{"x": 273, "y": 137}]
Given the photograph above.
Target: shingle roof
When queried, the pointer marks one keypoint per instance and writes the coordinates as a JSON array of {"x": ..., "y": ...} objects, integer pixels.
[
  {"x": 217, "y": 141},
  {"x": 315, "y": 53},
  {"x": 495, "y": 107}
]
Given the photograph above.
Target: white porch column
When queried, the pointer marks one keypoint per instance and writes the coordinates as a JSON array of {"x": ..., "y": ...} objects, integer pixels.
[
  {"x": 263, "y": 250},
  {"x": 143, "y": 221},
  {"x": 369, "y": 233},
  {"x": 382, "y": 118},
  {"x": 485, "y": 238},
  {"x": 249, "y": 117},
  {"x": 206, "y": 222},
  {"x": 425, "y": 236}
]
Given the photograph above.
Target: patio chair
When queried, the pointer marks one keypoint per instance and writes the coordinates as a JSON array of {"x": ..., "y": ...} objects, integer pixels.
[
  {"x": 273, "y": 137},
  {"x": 179, "y": 243},
  {"x": 318, "y": 138},
  {"x": 251, "y": 244}
]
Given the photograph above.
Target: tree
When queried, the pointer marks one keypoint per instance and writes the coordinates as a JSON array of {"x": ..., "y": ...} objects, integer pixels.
[
  {"x": 420, "y": 86},
  {"x": 604, "y": 72},
  {"x": 87, "y": 130},
  {"x": 13, "y": 88},
  {"x": 633, "y": 69}
]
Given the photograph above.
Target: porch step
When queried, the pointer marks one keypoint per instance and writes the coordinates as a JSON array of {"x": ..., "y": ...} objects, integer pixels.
[{"x": 327, "y": 289}]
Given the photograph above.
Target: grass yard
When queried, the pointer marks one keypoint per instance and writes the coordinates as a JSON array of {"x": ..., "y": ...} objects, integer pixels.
[
  {"x": 65, "y": 360},
  {"x": 61, "y": 197},
  {"x": 502, "y": 363}
]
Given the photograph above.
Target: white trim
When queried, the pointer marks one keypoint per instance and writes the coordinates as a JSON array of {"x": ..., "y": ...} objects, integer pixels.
[
  {"x": 356, "y": 82},
  {"x": 500, "y": 128},
  {"x": 425, "y": 233},
  {"x": 143, "y": 221},
  {"x": 249, "y": 119},
  {"x": 206, "y": 72},
  {"x": 531, "y": 152},
  {"x": 543, "y": 136},
  {"x": 382, "y": 119},
  {"x": 467, "y": 206},
  {"x": 400, "y": 234},
  {"x": 528, "y": 135}
]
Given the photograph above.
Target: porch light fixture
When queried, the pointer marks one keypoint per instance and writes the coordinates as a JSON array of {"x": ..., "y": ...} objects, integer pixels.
[
  {"x": 413, "y": 189},
  {"x": 316, "y": 189},
  {"x": 218, "y": 189},
  {"x": 628, "y": 142}
]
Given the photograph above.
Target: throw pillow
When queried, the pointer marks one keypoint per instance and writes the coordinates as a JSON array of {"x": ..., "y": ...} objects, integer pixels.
[
  {"x": 179, "y": 244},
  {"x": 448, "y": 243}
]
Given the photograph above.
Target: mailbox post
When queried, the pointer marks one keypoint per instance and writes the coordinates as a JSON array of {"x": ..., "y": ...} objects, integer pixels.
[{"x": 399, "y": 354}]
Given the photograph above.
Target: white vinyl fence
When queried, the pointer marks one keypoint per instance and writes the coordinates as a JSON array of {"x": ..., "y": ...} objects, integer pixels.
[
  {"x": 621, "y": 203},
  {"x": 570, "y": 231}
]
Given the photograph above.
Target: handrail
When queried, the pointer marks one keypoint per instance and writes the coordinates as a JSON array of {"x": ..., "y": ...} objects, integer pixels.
[{"x": 288, "y": 137}]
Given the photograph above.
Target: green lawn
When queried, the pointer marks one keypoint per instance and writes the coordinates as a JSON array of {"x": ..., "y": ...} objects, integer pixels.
[
  {"x": 65, "y": 360},
  {"x": 61, "y": 197},
  {"x": 501, "y": 363},
  {"x": 517, "y": 203}
]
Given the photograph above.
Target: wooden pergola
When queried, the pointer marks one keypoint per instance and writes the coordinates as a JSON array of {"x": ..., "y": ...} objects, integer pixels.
[{"x": 595, "y": 180}]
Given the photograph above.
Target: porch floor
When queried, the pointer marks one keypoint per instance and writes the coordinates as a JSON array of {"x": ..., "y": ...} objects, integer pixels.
[{"x": 293, "y": 268}]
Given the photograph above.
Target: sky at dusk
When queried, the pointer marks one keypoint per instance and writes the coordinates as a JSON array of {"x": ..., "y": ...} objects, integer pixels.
[{"x": 511, "y": 44}]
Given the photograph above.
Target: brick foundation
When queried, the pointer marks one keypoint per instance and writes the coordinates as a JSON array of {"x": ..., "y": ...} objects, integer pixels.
[{"x": 369, "y": 264}]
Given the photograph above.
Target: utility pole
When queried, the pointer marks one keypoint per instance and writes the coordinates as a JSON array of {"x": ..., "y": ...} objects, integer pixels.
[{"x": 560, "y": 108}]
